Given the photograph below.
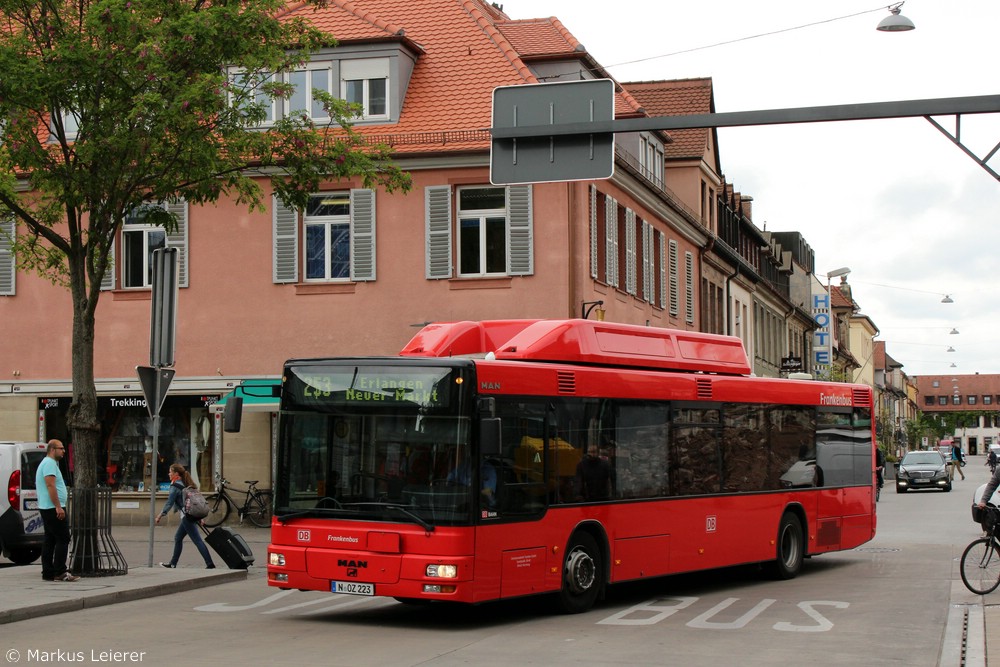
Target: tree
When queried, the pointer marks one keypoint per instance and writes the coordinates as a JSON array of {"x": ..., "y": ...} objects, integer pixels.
[{"x": 108, "y": 107}]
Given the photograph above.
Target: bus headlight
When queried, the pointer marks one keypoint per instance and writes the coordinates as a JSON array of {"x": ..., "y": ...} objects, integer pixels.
[
  {"x": 442, "y": 571},
  {"x": 276, "y": 559}
]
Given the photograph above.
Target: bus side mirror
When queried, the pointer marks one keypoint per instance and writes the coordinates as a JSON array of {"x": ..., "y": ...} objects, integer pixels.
[
  {"x": 232, "y": 414},
  {"x": 489, "y": 436}
]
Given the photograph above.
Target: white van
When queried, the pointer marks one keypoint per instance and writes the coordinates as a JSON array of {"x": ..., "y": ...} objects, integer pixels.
[{"x": 21, "y": 532}]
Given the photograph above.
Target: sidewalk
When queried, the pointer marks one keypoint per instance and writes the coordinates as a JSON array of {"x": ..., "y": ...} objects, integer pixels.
[{"x": 23, "y": 594}]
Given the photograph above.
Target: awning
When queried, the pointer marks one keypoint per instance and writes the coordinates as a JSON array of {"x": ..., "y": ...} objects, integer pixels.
[{"x": 258, "y": 396}]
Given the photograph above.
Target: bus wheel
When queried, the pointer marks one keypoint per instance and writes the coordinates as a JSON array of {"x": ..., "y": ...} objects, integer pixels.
[
  {"x": 789, "y": 550},
  {"x": 582, "y": 575}
]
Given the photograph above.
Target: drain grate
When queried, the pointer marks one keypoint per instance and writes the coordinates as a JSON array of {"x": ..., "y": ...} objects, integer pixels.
[{"x": 878, "y": 550}]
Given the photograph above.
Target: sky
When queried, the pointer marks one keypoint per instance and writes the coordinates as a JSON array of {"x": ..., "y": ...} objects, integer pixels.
[{"x": 911, "y": 215}]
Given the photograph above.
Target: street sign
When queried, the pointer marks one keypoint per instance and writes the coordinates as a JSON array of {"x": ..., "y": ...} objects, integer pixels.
[
  {"x": 155, "y": 382},
  {"x": 563, "y": 157},
  {"x": 163, "y": 316}
]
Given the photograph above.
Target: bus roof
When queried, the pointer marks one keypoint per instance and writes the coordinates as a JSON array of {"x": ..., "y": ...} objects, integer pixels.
[{"x": 584, "y": 342}]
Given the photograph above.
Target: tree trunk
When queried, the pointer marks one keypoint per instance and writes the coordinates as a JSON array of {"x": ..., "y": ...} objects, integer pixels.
[{"x": 82, "y": 420}]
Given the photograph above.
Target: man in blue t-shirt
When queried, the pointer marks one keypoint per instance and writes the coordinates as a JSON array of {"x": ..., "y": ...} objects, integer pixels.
[{"x": 52, "y": 496}]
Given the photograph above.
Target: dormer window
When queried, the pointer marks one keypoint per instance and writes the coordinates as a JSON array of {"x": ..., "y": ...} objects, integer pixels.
[
  {"x": 305, "y": 82},
  {"x": 365, "y": 82},
  {"x": 651, "y": 159},
  {"x": 247, "y": 90}
]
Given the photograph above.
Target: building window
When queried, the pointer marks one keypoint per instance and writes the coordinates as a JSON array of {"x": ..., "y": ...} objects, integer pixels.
[
  {"x": 942, "y": 400},
  {"x": 493, "y": 231},
  {"x": 139, "y": 240},
  {"x": 304, "y": 82},
  {"x": 366, "y": 82},
  {"x": 482, "y": 232},
  {"x": 327, "y": 223},
  {"x": 337, "y": 235},
  {"x": 971, "y": 399},
  {"x": 246, "y": 92},
  {"x": 987, "y": 400},
  {"x": 928, "y": 400},
  {"x": 956, "y": 400},
  {"x": 651, "y": 160}
]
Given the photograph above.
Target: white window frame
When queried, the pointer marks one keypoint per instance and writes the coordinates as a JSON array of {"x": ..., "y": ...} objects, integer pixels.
[
  {"x": 366, "y": 70},
  {"x": 329, "y": 224},
  {"x": 481, "y": 215},
  {"x": 142, "y": 232},
  {"x": 236, "y": 77},
  {"x": 315, "y": 73}
]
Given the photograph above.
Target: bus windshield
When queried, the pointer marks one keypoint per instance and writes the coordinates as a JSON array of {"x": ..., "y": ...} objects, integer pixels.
[{"x": 375, "y": 442}]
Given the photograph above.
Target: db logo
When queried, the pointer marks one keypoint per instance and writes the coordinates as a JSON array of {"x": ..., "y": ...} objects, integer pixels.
[{"x": 303, "y": 536}]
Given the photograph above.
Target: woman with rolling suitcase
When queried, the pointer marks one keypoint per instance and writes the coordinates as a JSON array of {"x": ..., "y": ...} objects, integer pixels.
[{"x": 180, "y": 479}]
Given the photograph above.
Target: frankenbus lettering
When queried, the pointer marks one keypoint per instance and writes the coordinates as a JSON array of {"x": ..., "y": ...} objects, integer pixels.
[{"x": 828, "y": 399}]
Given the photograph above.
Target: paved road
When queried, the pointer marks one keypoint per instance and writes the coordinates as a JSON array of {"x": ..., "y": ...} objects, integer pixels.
[{"x": 898, "y": 599}]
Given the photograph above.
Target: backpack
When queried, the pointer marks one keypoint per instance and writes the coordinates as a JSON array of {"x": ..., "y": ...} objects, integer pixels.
[{"x": 195, "y": 505}]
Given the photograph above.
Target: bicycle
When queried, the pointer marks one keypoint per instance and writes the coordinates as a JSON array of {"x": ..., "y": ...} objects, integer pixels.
[
  {"x": 980, "y": 563},
  {"x": 256, "y": 506}
]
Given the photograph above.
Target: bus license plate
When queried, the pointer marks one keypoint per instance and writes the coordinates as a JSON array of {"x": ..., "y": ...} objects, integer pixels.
[
  {"x": 352, "y": 588},
  {"x": 30, "y": 504}
]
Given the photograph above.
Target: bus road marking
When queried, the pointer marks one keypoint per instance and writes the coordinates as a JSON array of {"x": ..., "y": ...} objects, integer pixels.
[{"x": 659, "y": 609}]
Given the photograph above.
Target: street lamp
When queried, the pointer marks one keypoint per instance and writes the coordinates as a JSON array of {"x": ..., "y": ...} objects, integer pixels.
[{"x": 895, "y": 22}]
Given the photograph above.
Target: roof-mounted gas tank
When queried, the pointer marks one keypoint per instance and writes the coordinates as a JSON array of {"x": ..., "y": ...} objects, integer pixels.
[{"x": 585, "y": 342}]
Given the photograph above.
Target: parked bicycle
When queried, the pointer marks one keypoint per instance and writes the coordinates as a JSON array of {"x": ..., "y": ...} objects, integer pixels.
[
  {"x": 981, "y": 560},
  {"x": 256, "y": 506}
]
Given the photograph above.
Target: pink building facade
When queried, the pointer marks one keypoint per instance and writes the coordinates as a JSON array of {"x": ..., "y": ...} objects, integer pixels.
[{"x": 360, "y": 271}]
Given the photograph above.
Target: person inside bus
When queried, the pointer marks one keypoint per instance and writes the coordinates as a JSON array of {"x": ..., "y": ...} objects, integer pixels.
[
  {"x": 593, "y": 476},
  {"x": 461, "y": 475}
]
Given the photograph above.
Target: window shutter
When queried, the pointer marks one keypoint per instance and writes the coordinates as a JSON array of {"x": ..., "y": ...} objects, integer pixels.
[
  {"x": 520, "y": 257},
  {"x": 437, "y": 222},
  {"x": 7, "y": 269},
  {"x": 689, "y": 286},
  {"x": 108, "y": 282},
  {"x": 611, "y": 240},
  {"x": 593, "y": 232},
  {"x": 285, "y": 228},
  {"x": 663, "y": 270},
  {"x": 362, "y": 235},
  {"x": 179, "y": 238},
  {"x": 630, "y": 254},
  {"x": 647, "y": 262},
  {"x": 672, "y": 270}
]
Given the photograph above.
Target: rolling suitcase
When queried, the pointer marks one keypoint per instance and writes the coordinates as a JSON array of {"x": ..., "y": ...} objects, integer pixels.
[{"x": 230, "y": 546}]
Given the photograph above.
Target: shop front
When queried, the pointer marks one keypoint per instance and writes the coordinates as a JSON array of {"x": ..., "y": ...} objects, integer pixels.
[{"x": 126, "y": 460}]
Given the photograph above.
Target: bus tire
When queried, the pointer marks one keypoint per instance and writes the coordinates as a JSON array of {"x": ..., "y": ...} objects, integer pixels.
[
  {"x": 789, "y": 548},
  {"x": 582, "y": 575}
]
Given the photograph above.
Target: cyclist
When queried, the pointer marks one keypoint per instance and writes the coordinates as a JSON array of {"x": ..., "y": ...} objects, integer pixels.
[
  {"x": 879, "y": 466},
  {"x": 992, "y": 486}
]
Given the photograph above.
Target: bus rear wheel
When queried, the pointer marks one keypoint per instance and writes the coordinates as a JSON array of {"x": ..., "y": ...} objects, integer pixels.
[
  {"x": 582, "y": 575},
  {"x": 789, "y": 549}
]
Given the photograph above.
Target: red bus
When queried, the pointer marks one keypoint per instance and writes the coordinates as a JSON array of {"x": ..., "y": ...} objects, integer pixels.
[{"x": 499, "y": 459}]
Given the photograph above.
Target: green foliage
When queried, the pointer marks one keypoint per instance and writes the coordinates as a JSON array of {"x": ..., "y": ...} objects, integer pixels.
[
  {"x": 160, "y": 115},
  {"x": 109, "y": 105}
]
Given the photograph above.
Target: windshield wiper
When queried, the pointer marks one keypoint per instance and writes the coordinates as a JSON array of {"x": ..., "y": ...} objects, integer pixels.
[{"x": 429, "y": 527}]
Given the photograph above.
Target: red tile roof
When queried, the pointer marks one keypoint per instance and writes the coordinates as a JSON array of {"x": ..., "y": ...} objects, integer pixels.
[
  {"x": 466, "y": 49},
  {"x": 678, "y": 98}
]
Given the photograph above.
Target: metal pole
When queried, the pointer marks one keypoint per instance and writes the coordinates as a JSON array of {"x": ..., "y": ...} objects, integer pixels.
[{"x": 152, "y": 471}]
